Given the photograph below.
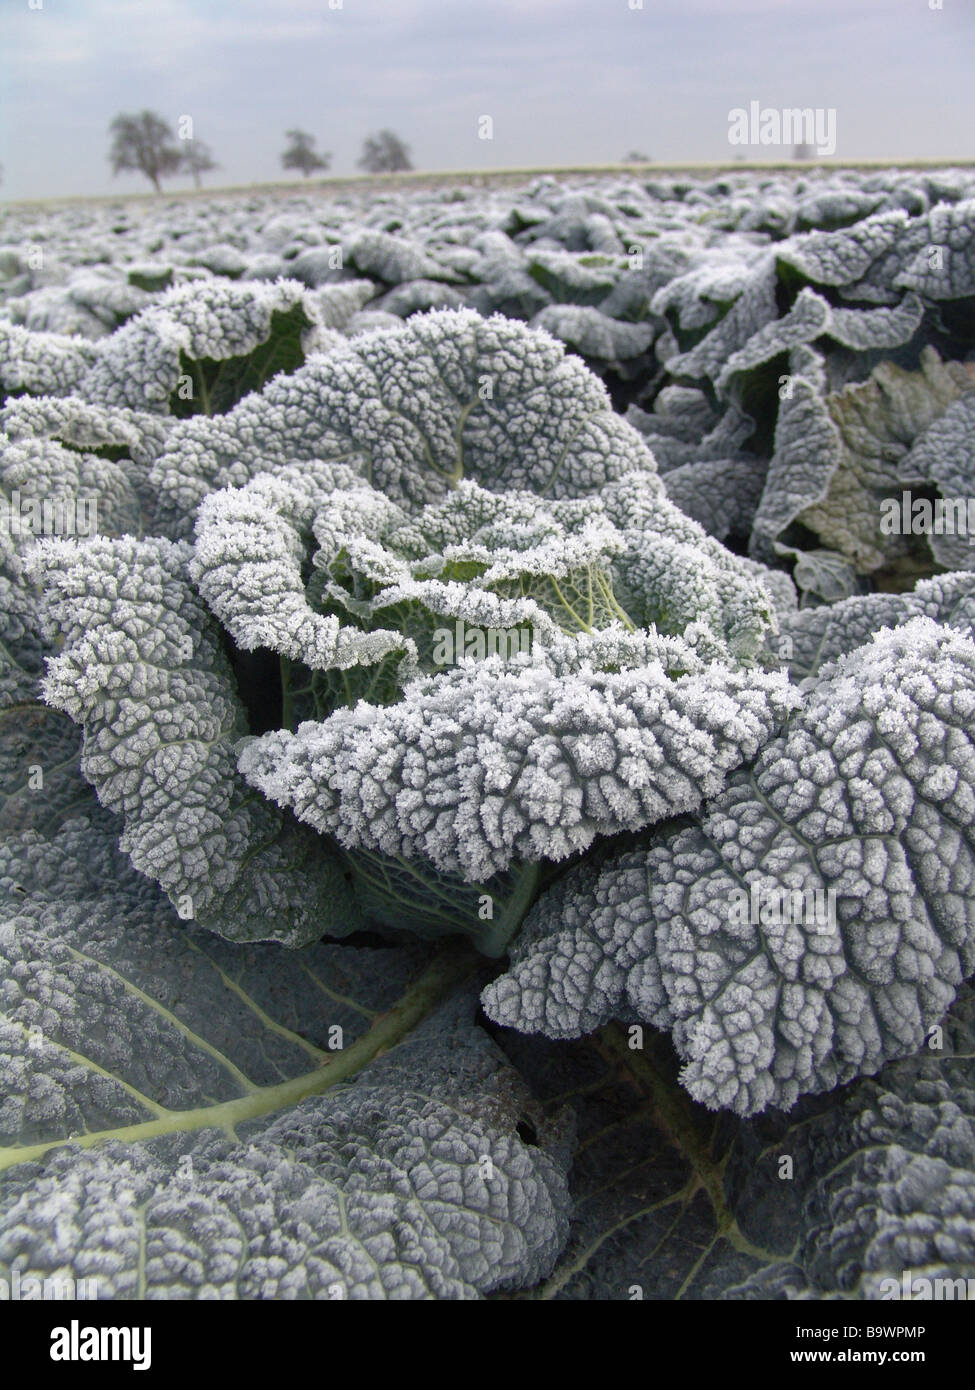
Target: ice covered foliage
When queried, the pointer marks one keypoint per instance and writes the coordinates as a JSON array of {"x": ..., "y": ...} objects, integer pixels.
[
  {"x": 513, "y": 761},
  {"x": 492, "y": 560},
  {"x": 201, "y": 348},
  {"x": 198, "y": 349},
  {"x": 415, "y": 660},
  {"x": 142, "y": 670},
  {"x": 619, "y": 715},
  {"x": 212, "y": 1137},
  {"x": 510, "y": 709},
  {"x": 843, "y": 460},
  {"x": 888, "y": 1183},
  {"x": 818, "y": 919},
  {"x": 447, "y": 396}
]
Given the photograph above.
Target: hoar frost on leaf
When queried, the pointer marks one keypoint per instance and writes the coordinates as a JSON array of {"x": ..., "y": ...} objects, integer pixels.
[
  {"x": 492, "y": 560},
  {"x": 107, "y": 430},
  {"x": 840, "y": 456},
  {"x": 42, "y": 364},
  {"x": 888, "y": 1200},
  {"x": 870, "y": 793},
  {"x": 818, "y": 636},
  {"x": 528, "y": 759},
  {"x": 448, "y": 395},
  {"x": 461, "y": 469},
  {"x": 201, "y": 347},
  {"x": 602, "y": 727},
  {"x": 206, "y": 1140},
  {"x": 142, "y": 670}
]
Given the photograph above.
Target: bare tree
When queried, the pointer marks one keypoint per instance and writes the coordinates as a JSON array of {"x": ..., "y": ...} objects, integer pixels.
[
  {"x": 635, "y": 157},
  {"x": 301, "y": 153},
  {"x": 198, "y": 159},
  {"x": 385, "y": 153},
  {"x": 145, "y": 144}
]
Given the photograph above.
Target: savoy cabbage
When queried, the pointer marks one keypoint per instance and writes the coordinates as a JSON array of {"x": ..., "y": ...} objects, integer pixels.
[{"x": 487, "y": 781}]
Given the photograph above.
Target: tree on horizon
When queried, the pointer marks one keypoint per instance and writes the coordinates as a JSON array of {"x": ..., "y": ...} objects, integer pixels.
[
  {"x": 384, "y": 153},
  {"x": 144, "y": 143},
  {"x": 301, "y": 153},
  {"x": 198, "y": 159}
]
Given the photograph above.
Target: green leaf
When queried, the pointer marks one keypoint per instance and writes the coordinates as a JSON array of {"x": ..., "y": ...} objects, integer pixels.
[
  {"x": 142, "y": 669},
  {"x": 412, "y": 894},
  {"x": 216, "y": 385},
  {"x": 151, "y": 278},
  {"x": 834, "y": 1200},
  {"x": 40, "y": 774},
  {"x": 219, "y": 1121},
  {"x": 449, "y": 395}
]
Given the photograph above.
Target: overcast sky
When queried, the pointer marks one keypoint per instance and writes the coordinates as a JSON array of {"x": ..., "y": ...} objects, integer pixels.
[{"x": 564, "y": 81}]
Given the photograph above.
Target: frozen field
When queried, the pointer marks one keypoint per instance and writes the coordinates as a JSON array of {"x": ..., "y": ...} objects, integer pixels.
[{"x": 487, "y": 738}]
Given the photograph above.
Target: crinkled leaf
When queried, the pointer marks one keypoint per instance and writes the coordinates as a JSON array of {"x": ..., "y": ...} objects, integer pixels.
[
  {"x": 593, "y": 333},
  {"x": 185, "y": 1118},
  {"x": 201, "y": 348},
  {"x": 878, "y": 422},
  {"x": 836, "y": 1199},
  {"x": 944, "y": 455},
  {"x": 868, "y": 795},
  {"x": 527, "y": 759},
  {"x": 143, "y": 671},
  {"x": 448, "y": 395},
  {"x": 814, "y": 637}
]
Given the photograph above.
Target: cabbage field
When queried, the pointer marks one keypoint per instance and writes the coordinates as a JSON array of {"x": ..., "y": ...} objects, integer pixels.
[{"x": 487, "y": 739}]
